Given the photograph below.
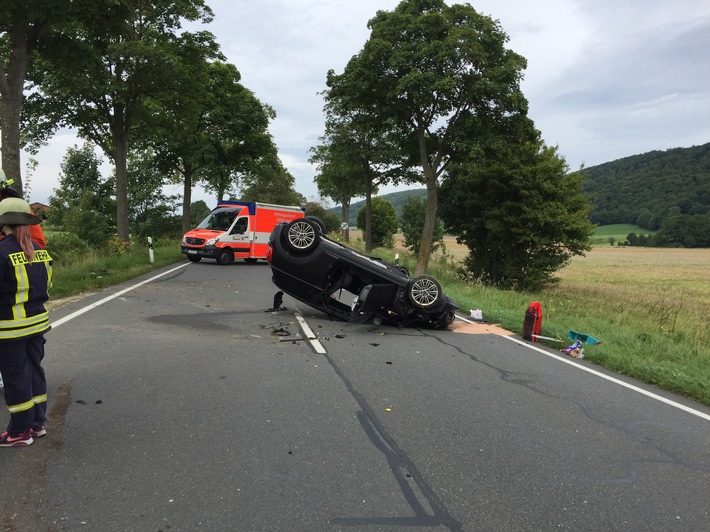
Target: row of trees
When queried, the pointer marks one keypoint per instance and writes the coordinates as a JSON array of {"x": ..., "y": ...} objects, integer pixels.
[
  {"x": 689, "y": 231},
  {"x": 434, "y": 97},
  {"x": 131, "y": 81}
]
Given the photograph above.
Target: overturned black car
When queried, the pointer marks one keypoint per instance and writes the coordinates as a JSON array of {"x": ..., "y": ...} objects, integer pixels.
[{"x": 347, "y": 285}]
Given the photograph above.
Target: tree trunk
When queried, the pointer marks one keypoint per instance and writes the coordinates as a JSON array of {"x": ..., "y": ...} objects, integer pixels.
[
  {"x": 187, "y": 199},
  {"x": 368, "y": 216},
  {"x": 120, "y": 155},
  {"x": 13, "y": 72},
  {"x": 429, "y": 223},
  {"x": 430, "y": 176},
  {"x": 10, "y": 126}
]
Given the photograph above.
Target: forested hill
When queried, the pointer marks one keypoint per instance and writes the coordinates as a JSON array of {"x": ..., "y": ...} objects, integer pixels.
[
  {"x": 395, "y": 198},
  {"x": 641, "y": 190},
  {"x": 644, "y": 189}
]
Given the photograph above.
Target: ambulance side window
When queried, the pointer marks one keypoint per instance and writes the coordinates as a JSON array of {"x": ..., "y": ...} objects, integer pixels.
[{"x": 240, "y": 227}]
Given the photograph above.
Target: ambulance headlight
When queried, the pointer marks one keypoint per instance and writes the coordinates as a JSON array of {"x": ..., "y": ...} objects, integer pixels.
[{"x": 211, "y": 241}]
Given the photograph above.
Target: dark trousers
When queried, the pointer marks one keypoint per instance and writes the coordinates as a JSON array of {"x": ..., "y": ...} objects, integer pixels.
[{"x": 25, "y": 385}]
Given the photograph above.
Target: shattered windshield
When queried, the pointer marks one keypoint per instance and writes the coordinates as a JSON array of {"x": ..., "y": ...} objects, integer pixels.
[{"x": 219, "y": 219}]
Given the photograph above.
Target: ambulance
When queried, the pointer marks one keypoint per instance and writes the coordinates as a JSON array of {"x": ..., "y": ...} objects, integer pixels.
[{"x": 236, "y": 230}]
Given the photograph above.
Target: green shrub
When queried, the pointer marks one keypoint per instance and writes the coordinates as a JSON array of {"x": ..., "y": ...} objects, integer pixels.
[{"x": 65, "y": 245}]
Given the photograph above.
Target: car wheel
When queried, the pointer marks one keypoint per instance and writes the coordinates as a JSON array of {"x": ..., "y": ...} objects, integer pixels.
[
  {"x": 225, "y": 256},
  {"x": 318, "y": 222},
  {"x": 404, "y": 270},
  {"x": 303, "y": 234},
  {"x": 424, "y": 291},
  {"x": 194, "y": 258}
]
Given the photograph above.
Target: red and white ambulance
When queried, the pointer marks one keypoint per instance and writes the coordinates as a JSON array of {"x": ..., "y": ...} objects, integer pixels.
[{"x": 236, "y": 230}]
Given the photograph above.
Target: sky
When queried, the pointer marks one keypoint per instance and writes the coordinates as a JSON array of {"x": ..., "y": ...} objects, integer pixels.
[{"x": 605, "y": 79}]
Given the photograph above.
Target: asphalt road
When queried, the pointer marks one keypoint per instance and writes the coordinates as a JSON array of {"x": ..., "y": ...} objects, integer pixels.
[{"x": 185, "y": 404}]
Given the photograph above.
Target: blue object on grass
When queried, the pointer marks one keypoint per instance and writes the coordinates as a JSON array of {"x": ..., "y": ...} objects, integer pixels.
[{"x": 574, "y": 336}]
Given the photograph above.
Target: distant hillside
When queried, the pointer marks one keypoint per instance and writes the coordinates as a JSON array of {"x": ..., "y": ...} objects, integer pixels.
[
  {"x": 395, "y": 198},
  {"x": 641, "y": 190},
  {"x": 644, "y": 189}
]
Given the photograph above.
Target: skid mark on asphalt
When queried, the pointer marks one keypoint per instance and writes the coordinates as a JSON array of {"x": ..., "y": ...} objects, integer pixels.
[{"x": 428, "y": 509}]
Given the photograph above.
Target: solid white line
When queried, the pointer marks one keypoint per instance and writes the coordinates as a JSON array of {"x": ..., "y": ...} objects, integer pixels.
[
  {"x": 79, "y": 312},
  {"x": 612, "y": 379},
  {"x": 310, "y": 337}
]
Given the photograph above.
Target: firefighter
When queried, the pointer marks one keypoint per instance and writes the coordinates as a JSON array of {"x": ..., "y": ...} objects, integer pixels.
[{"x": 25, "y": 277}]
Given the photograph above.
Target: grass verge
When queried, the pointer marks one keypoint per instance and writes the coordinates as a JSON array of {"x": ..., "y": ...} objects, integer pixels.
[{"x": 93, "y": 270}]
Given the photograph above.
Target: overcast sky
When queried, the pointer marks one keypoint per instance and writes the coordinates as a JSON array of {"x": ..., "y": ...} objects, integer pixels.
[{"x": 605, "y": 79}]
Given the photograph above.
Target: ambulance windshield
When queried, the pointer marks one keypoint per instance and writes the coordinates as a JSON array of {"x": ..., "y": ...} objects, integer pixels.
[{"x": 219, "y": 219}]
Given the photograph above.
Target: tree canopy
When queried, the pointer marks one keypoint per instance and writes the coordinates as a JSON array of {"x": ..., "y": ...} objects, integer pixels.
[
  {"x": 519, "y": 211},
  {"x": 426, "y": 69}
]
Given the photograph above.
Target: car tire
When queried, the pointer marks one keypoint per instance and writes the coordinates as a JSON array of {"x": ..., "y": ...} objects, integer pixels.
[
  {"x": 225, "y": 256},
  {"x": 194, "y": 258},
  {"x": 318, "y": 222},
  {"x": 303, "y": 235},
  {"x": 424, "y": 291}
]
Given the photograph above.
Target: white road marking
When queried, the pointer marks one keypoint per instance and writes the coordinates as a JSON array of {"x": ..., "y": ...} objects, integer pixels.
[
  {"x": 612, "y": 379},
  {"x": 309, "y": 336}
]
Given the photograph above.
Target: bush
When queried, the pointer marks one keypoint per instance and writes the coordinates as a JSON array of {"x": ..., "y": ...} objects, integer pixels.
[
  {"x": 65, "y": 245},
  {"x": 384, "y": 222}
]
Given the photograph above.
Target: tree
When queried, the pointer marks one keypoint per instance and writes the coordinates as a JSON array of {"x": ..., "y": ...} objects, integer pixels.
[
  {"x": 330, "y": 220},
  {"x": 428, "y": 67},
  {"x": 210, "y": 128},
  {"x": 82, "y": 204},
  {"x": 271, "y": 182},
  {"x": 198, "y": 212},
  {"x": 105, "y": 64},
  {"x": 384, "y": 222},
  {"x": 22, "y": 27},
  {"x": 151, "y": 212},
  {"x": 359, "y": 136},
  {"x": 340, "y": 174},
  {"x": 519, "y": 211},
  {"x": 412, "y": 222}
]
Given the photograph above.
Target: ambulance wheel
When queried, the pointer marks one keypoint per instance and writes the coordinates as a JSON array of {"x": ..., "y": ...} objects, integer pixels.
[
  {"x": 303, "y": 234},
  {"x": 225, "y": 257},
  {"x": 194, "y": 258},
  {"x": 424, "y": 291}
]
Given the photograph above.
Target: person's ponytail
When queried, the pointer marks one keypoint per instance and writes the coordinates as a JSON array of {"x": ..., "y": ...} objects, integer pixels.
[{"x": 22, "y": 234}]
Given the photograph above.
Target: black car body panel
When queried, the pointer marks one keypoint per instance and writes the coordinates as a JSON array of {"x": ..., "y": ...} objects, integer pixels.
[{"x": 349, "y": 286}]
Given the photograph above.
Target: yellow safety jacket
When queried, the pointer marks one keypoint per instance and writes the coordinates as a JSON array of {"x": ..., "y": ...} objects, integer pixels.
[{"x": 24, "y": 289}]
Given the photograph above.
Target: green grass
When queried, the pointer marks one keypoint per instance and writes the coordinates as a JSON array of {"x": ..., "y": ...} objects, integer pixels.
[
  {"x": 93, "y": 270},
  {"x": 617, "y": 232}
]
